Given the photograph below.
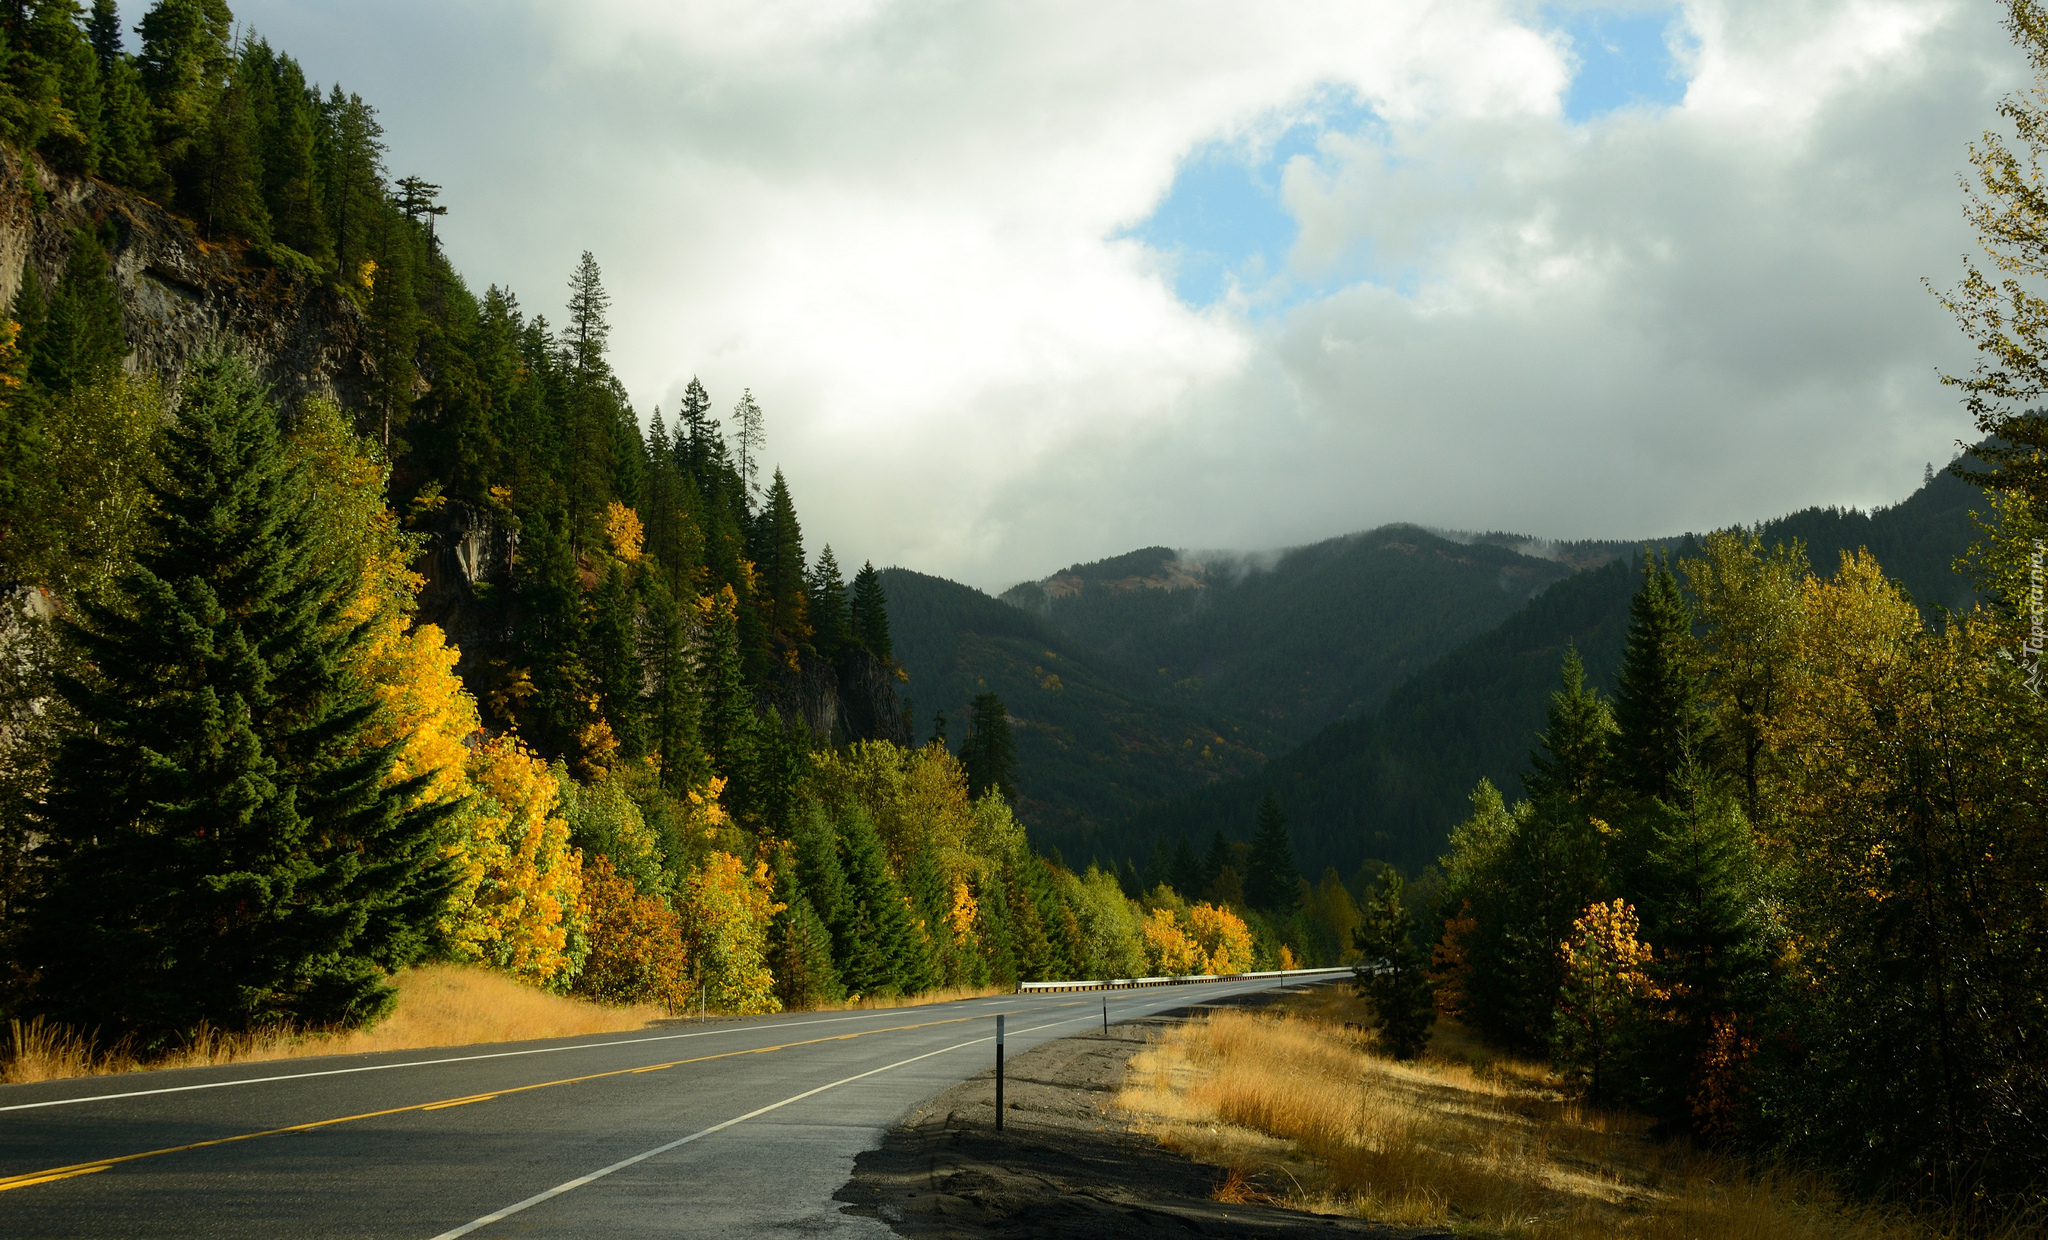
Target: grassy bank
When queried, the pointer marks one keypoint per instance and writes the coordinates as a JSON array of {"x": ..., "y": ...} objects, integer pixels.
[
  {"x": 438, "y": 1005},
  {"x": 1302, "y": 1111}
]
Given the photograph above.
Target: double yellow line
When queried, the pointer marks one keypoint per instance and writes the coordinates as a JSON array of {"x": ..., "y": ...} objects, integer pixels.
[{"x": 28, "y": 1178}]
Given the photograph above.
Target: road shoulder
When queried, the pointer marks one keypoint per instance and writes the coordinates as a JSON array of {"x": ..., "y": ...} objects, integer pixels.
[{"x": 1067, "y": 1163}]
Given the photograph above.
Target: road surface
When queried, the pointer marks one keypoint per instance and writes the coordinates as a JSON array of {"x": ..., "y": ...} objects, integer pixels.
[{"x": 732, "y": 1128}]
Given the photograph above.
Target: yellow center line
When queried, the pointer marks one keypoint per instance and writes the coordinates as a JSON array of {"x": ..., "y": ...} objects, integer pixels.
[{"x": 27, "y": 1178}]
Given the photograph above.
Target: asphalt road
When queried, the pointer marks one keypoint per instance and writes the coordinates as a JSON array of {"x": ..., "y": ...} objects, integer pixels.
[{"x": 733, "y": 1128}]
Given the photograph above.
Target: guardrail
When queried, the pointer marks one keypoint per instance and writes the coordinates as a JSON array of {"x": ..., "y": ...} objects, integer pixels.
[{"x": 1134, "y": 983}]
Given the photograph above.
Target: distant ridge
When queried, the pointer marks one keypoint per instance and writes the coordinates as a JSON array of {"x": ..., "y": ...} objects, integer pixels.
[{"x": 1389, "y": 785}]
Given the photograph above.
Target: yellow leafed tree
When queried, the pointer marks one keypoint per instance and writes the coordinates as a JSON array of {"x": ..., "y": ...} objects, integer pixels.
[
  {"x": 1223, "y": 938},
  {"x": 1169, "y": 952},
  {"x": 726, "y": 909}
]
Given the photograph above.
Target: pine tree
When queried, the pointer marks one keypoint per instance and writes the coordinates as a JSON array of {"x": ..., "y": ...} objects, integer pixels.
[
  {"x": 1699, "y": 904},
  {"x": 291, "y": 189},
  {"x": 80, "y": 341},
  {"x": 990, "y": 753},
  {"x": 351, "y": 153},
  {"x": 696, "y": 430},
  {"x": 1569, "y": 765},
  {"x": 1189, "y": 874},
  {"x": 1219, "y": 858},
  {"x": 728, "y": 720},
  {"x": 800, "y": 949},
  {"x": 227, "y": 848},
  {"x": 781, "y": 564},
  {"x": 223, "y": 183},
  {"x": 883, "y": 954},
  {"x": 1394, "y": 974},
  {"x": 675, "y": 702},
  {"x": 103, "y": 31},
  {"x": 186, "y": 58},
  {"x": 1656, "y": 702},
  {"x": 871, "y": 614},
  {"x": 1272, "y": 882},
  {"x": 611, "y": 644},
  {"x": 825, "y": 604},
  {"x": 551, "y": 638},
  {"x": 750, "y": 439}
]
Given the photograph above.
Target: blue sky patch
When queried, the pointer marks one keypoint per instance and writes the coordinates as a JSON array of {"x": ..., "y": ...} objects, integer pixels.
[
  {"x": 1623, "y": 60},
  {"x": 1223, "y": 222}
]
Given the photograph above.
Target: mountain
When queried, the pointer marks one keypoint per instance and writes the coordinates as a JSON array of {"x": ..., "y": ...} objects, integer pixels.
[
  {"x": 1094, "y": 743},
  {"x": 1389, "y": 785},
  {"x": 1298, "y": 640}
]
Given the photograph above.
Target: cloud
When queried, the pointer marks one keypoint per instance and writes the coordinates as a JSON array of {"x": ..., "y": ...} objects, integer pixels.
[{"x": 930, "y": 237}]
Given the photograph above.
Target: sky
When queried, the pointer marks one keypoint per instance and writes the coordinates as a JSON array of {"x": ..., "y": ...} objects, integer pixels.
[{"x": 1025, "y": 285}]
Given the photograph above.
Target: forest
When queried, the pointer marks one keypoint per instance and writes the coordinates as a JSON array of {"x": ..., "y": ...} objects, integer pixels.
[
  {"x": 1781, "y": 887},
  {"x": 246, "y": 780}
]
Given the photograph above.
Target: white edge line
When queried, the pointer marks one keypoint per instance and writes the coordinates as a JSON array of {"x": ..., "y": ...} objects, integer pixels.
[
  {"x": 622, "y": 1164},
  {"x": 428, "y": 1063}
]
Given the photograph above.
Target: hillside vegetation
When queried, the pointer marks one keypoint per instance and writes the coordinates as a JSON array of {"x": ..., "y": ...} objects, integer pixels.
[
  {"x": 1094, "y": 741},
  {"x": 1389, "y": 785},
  {"x": 1294, "y": 642}
]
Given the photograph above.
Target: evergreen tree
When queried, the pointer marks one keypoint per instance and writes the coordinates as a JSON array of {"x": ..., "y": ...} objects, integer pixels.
[
  {"x": 825, "y": 603},
  {"x": 103, "y": 31},
  {"x": 1188, "y": 873},
  {"x": 1271, "y": 883},
  {"x": 79, "y": 342},
  {"x": 590, "y": 408},
  {"x": 350, "y": 148},
  {"x": 728, "y": 703},
  {"x": 882, "y": 952},
  {"x": 611, "y": 644},
  {"x": 1569, "y": 766},
  {"x": 227, "y": 849},
  {"x": 1656, "y": 701},
  {"x": 1201, "y": 879},
  {"x": 990, "y": 753},
  {"x": 871, "y": 614},
  {"x": 780, "y": 562},
  {"x": 675, "y": 703},
  {"x": 1394, "y": 974},
  {"x": 696, "y": 431},
  {"x": 557, "y": 706},
  {"x": 800, "y": 949},
  {"x": 1699, "y": 900},
  {"x": 223, "y": 178},
  {"x": 291, "y": 188},
  {"x": 186, "y": 57},
  {"x": 749, "y": 439}
]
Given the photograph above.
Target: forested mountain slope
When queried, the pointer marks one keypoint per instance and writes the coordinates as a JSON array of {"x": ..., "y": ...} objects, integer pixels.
[
  {"x": 1094, "y": 743},
  {"x": 1317, "y": 634},
  {"x": 1390, "y": 784}
]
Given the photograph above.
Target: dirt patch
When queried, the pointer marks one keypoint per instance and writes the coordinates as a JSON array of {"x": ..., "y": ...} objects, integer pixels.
[{"x": 1066, "y": 1164}]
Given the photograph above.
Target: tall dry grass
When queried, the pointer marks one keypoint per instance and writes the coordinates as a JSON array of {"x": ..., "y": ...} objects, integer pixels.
[
  {"x": 1302, "y": 1112},
  {"x": 438, "y": 1005}
]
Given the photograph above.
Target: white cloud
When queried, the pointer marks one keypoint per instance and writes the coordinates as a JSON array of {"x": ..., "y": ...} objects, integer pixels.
[{"x": 897, "y": 223}]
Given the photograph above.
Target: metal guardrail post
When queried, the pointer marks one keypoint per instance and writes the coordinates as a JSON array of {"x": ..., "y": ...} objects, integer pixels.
[{"x": 999, "y": 1072}]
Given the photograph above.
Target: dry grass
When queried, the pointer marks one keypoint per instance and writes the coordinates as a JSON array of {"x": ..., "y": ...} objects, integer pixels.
[
  {"x": 438, "y": 1005},
  {"x": 1302, "y": 1112},
  {"x": 949, "y": 995}
]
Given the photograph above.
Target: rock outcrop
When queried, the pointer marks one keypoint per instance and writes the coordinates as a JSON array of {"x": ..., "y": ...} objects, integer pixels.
[{"x": 181, "y": 294}]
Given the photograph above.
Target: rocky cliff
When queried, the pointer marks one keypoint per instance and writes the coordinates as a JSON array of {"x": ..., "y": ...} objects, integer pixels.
[{"x": 181, "y": 294}]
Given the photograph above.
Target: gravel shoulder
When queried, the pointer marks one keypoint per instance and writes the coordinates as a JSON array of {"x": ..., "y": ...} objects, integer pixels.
[{"x": 1067, "y": 1163}]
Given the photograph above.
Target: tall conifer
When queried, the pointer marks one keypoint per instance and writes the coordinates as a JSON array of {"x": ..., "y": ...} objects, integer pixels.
[
  {"x": 227, "y": 849},
  {"x": 1271, "y": 885},
  {"x": 871, "y": 614}
]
